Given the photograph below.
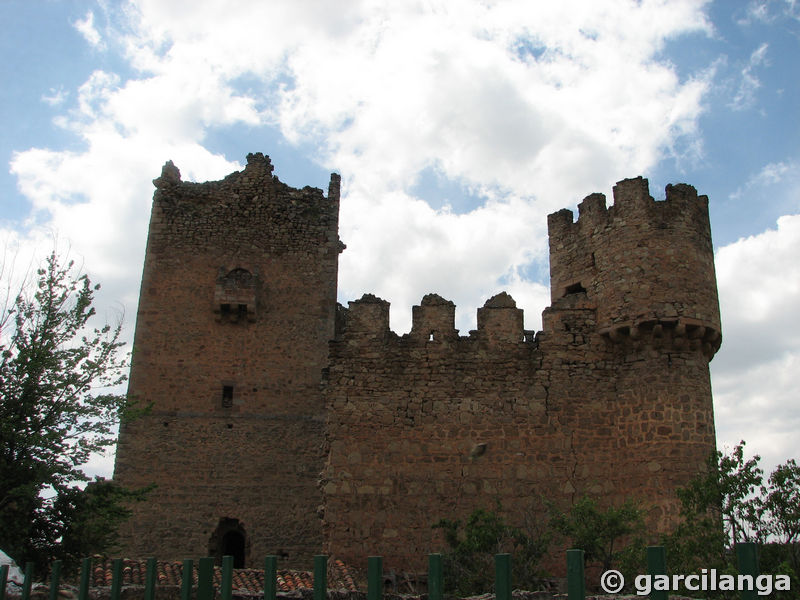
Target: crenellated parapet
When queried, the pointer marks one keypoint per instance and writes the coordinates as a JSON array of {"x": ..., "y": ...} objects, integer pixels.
[
  {"x": 644, "y": 265},
  {"x": 500, "y": 322}
]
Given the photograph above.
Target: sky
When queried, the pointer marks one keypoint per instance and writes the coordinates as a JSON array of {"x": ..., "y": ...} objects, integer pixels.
[{"x": 457, "y": 126}]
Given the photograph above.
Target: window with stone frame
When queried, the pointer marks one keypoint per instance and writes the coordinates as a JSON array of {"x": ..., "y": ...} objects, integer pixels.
[{"x": 235, "y": 296}]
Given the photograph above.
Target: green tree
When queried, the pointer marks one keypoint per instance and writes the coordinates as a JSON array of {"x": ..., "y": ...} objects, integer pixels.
[
  {"x": 782, "y": 508},
  {"x": 599, "y": 533},
  {"x": 87, "y": 519},
  {"x": 469, "y": 562},
  {"x": 728, "y": 504},
  {"x": 55, "y": 372},
  {"x": 782, "y": 502},
  {"x": 719, "y": 508}
]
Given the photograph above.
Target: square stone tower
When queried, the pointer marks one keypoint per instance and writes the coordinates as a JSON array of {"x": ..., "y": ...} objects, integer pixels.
[{"x": 237, "y": 306}]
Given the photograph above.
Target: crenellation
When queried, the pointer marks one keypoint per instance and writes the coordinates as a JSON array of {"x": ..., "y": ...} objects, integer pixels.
[
  {"x": 632, "y": 197},
  {"x": 334, "y": 187},
  {"x": 500, "y": 321},
  {"x": 433, "y": 320},
  {"x": 367, "y": 319},
  {"x": 592, "y": 211},
  {"x": 560, "y": 223}
]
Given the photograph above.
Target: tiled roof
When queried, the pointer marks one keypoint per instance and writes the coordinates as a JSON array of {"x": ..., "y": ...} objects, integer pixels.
[{"x": 244, "y": 580}]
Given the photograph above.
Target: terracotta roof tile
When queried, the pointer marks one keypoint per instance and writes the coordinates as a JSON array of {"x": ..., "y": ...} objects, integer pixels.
[{"x": 244, "y": 580}]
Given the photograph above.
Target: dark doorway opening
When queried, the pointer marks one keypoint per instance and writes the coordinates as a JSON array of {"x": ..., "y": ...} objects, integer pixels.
[
  {"x": 233, "y": 545},
  {"x": 229, "y": 539}
]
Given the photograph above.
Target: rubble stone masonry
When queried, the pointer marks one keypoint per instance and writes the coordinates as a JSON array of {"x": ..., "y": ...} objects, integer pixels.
[{"x": 305, "y": 427}]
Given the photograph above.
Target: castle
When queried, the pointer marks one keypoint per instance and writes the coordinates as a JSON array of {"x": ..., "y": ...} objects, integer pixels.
[{"x": 283, "y": 423}]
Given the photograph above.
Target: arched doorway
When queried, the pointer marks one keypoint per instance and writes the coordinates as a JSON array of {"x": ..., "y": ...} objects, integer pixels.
[{"x": 229, "y": 539}]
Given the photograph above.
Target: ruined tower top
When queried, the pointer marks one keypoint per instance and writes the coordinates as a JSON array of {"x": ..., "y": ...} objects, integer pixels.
[{"x": 249, "y": 209}]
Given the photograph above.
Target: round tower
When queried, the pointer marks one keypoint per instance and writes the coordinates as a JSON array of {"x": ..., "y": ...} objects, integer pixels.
[
  {"x": 646, "y": 266},
  {"x": 640, "y": 274}
]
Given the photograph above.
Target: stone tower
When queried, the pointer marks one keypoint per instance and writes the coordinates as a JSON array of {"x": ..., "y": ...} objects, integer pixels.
[
  {"x": 237, "y": 305},
  {"x": 643, "y": 273}
]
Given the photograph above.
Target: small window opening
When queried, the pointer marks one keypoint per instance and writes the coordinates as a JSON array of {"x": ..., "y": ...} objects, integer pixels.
[
  {"x": 430, "y": 337},
  {"x": 243, "y": 311},
  {"x": 225, "y": 309},
  {"x": 575, "y": 288},
  {"x": 227, "y": 396}
]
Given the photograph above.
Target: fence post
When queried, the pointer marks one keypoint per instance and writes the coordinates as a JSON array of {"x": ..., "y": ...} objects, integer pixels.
[
  {"x": 270, "y": 577},
  {"x": 435, "y": 577},
  {"x": 150, "y": 579},
  {"x": 374, "y": 578},
  {"x": 116, "y": 578},
  {"x": 320, "y": 577},
  {"x": 576, "y": 585},
  {"x": 656, "y": 565},
  {"x": 747, "y": 559},
  {"x": 55, "y": 576},
  {"x": 27, "y": 581},
  {"x": 187, "y": 579},
  {"x": 502, "y": 576},
  {"x": 226, "y": 586},
  {"x": 86, "y": 573},
  {"x": 205, "y": 579},
  {"x": 3, "y": 579}
]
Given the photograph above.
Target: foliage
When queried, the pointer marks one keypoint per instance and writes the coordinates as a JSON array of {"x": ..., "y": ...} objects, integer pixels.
[
  {"x": 599, "y": 533},
  {"x": 728, "y": 504},
  {"x": 88, "y": 518},
  {"x": 53, "y": 416},
  {"x": 782, "y": 507},
  {"x": 469, "y": 563},
  {"x": 719, "y": 508}
]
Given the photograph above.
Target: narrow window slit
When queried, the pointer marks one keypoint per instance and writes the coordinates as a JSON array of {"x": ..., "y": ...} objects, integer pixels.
[{"x": 227, "y": 396}]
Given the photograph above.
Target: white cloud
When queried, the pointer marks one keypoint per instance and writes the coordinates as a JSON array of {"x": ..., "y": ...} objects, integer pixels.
[
  {"x": 745, "y": 96},
  {"x": 56, "y": 97},
  {"x": 776, "y": 186},
  {"x": 755, "y": 373},
  {"x": 761, "y": 11},
  {"x": 87, "y": 29},
  {"x": 771, "y": 174}
]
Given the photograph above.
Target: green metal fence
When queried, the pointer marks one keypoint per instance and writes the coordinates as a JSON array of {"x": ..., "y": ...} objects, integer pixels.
[{"x": 747, "y": 556}]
